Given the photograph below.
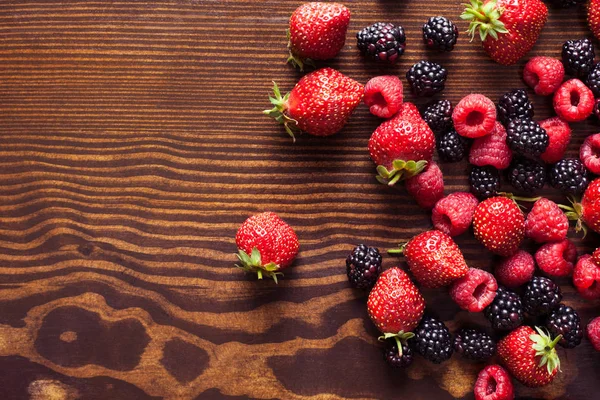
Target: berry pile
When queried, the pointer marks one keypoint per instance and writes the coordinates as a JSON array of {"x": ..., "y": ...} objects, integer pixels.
[{"x": 504, "y": 144}]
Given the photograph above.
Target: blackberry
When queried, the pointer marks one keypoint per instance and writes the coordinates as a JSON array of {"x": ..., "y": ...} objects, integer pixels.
[
  {"x": 433, "y": 340},
  {"x": 566, "y": 3},
  {"x": 382, "y": 41},
  {"x": 451, "y": 146},
  {"x": 593, "y": 80},
  {"x": 438, "y": 115},
  {"x": 474, "y": 344},
  {"x": 391, "y": 356},
  {"x": 363, "y": 266},
  {"x": 514, "y": 104},
  {"x": 526, "y": 137},
  {"x": 541, "y": 296},
  {"x": 578, "y": 57},
  {"x": 484, "y": 181},
  {"x": 569, "y": 175},
  {"x": 506, "y": 311},
  {"x": 526, "y": 175},
  {"x": 440, "y": 33},
  {"x": 426, "y": 78},
  {"x": 565, "y": 321}
]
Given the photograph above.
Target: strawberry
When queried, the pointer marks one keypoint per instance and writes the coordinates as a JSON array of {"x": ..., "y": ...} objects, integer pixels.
[
  {"x": 317, "y": 32},
  {"x": 587, "y": 212},
  {"x": 320, "y": 103},
  {"x": 395, "y": 306},
  {"x": 507, "y": 28},
  {"x": 266, "y": 244},
  {"x": 500, "y": 225},
  {"x": 402, "y": 146},
  {"x": 434, "y": 259},
  {"x": 529, "y": 356},
  {"x": 594, "y": 17}
]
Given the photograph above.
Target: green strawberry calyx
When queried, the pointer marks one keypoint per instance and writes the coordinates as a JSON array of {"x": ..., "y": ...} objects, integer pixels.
[
  {"x": 294, "y": 59},
  {"x": 544, "y": 347},
  {"x": 400, "y": 337},
  {"x": 484, "y": 18},
  {"x": 253, "y": 263},
  {"x": 401, "y": 170},
  {"x": 575, "y": 213},
  {"x": 278, "y": 112}
]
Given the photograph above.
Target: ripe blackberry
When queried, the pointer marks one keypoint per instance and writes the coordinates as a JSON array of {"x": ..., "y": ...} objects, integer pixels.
[
  {"x": 451, "y": 146},
  {"x": 569, "y": 175},
  {"x": 565, "y": 321},
  {"x": 514, "y": 104},
  {"x": 438, "y": 115},
  {"x": 426, "y": 78},
  {"x": 506, "y": 311},
  {"x": 526, "y": 175},
  {"x": 382, "y": 41},
  {"x": 363, "y": 266},
  {"x": 484, "y": 181},
  {"x": 440, "y": 33},
  {"x": 433, "y": 340},
  {"x": 391, "y": 356},
  {"x": 541, "y": 296},
  {"x": 593, "y": 80},
  {"x": 526, "y": 137},
  {"x": 578, "y": 57},
  {"x": 474, "y": 344}
]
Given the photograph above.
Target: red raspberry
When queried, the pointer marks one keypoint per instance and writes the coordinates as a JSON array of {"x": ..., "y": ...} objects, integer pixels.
[
  {"x": 544, "y": 74},
  {"x": 427, "y": 187},
  {"x": 494, "y": 383},
  {"x": 559, "y": 135},
  {"x": 474, "y": 116},
  {"x": 546, "y": 222},
  {"x": 474, "y": 291},
  {"x": 596, "y": 256},
  {"x": 383, "y": 95},
  {"x": 557, "y": 259},
  {"x": 454, "y": 213},
  {"x": 515, "y": 270},
  {"x": 573, "y": 101},
  {"x": 589, "y": 153},
  {"x": 593, "y": 332},
  {"x": 586, "y": 278},
  {"x": 491, "y": 149}
]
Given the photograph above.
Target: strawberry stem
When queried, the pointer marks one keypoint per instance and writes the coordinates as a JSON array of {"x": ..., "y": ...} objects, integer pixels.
[
  {"x": 278, "y": 112},
  {"x": 401, "y": 170},
  {"x": 484, "y": 18},
  {"x": 252, "y": 263},
  {"x": 400, "y": 337}
]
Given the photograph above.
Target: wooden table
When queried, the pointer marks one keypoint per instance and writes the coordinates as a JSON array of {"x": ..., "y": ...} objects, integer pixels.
[{"x": 133, "y": 146}]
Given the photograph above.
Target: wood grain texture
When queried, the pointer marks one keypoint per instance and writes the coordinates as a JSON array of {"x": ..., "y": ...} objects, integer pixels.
[{"x": 132, "y": 147}]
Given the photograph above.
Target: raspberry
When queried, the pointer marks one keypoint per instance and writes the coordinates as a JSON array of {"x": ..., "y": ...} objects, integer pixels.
[
  {"x": 558, "y": 258},
  {"x": 546, "y": 222},
  {"x": 543, "y": 74},
  {"x": 427, "y": 187},
  {"x": 573, "y": 101},
  {"x": 491, "y": 149},
  {"x": 559, "y": 135},
  {"x": 454, "y": 213},
  {"x": 515, "y": 270},
  {"x": 494, "y": 383},
  {"x": 586, "y": 278},
  {"x": 474, "y": 291},
  {"x": 593, "y": 333},
  {"x": 474, "y": 116},
  {"x": 383, "y": 95},
  {"x": 589, "y": 153}
]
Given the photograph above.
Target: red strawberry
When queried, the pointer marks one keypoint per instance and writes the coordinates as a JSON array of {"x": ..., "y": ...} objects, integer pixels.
[
  {"x": 266, "y": 245},
  {"x": 317, "y": 32},
  {"x": 427, "y": 187},
  {"x": 500, "y": 225},
  {"x": 434, "y": 259},
  {"x": 596, "y": 256},
  {"x": 402, "y": 146},
  {"x": 546, "y": 222},
  {"x": 395, "y": 305},
  {"x": 594, "y": 17},
  {"x": 586, "y": 213},
  {"x": 320, "y": 103},
  {"x": 529, "y": 356},
  {"x": 508, "y": 28}
]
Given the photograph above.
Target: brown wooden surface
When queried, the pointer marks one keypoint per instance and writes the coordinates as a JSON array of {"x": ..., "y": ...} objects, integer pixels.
[{"x": 131, "y": 148}]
